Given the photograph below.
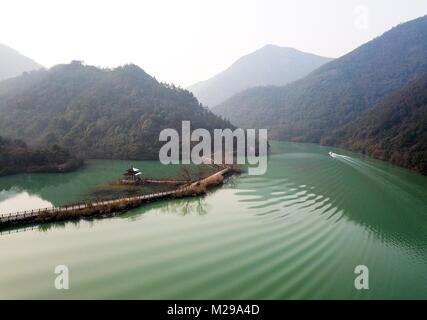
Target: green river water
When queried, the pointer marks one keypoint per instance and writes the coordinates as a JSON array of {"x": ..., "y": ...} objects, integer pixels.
[{"x": 297, "y": 232}]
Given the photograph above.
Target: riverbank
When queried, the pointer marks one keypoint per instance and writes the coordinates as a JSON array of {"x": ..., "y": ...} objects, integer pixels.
[
  {"x": 16, "y": 157},
  {"x": 47, "y": 168}
]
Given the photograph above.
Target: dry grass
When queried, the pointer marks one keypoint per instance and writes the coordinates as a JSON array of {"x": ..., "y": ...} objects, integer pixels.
[{"x": 99, "y": 211}]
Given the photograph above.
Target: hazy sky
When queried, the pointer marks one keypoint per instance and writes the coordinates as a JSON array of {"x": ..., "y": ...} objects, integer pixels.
[{"x": 185, "y": 41}]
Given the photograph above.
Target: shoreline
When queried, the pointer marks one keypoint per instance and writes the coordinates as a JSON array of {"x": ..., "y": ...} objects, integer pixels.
[{"x": 60, "y": 168}]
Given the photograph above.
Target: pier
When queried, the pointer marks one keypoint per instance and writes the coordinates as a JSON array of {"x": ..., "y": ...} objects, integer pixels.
[{"x": 105, "y": 208}]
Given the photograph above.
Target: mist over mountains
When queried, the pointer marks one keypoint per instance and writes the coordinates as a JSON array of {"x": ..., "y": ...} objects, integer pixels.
[
  {"x": 270, "y": 65},
  {"x": 371, "y": 100},
  {"x": 314, "y": 108},
  {"x": 13, "y": 64}
]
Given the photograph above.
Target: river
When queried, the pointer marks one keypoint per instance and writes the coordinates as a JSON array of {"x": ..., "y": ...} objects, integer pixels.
[{"x": 297, "y": 232}]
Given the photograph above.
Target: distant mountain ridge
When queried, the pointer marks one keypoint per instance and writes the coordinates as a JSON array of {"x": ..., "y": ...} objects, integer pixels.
[
  {"x": 338, "y": 93},
  {"x": 270, "y": 65},
  {"x": 97, "y": 113},
  {"x": 13, "y": 64}
]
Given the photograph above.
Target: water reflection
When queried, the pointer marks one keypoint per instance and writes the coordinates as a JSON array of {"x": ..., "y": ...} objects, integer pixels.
[
  {"x": 186, "y": 206},
  {"x": 14, "y": 200},
  {"x": 297, "y": 232},
  {"x": 182, "y": 207}
]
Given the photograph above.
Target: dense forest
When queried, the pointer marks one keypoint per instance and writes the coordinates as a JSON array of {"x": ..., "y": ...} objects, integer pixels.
[
  {"x": 339, "y": 92},
  {"x": 97, "y": 113},
  {"x": 393, "y": 130},
  {"x": 16, "y": 156}
]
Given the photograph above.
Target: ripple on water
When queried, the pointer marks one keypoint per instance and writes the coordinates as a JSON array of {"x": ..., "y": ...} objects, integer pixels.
[{"x": 296, "y": 232}]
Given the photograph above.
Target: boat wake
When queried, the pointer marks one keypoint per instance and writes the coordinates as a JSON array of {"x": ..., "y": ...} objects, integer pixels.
[
  {"x": 356, "y": 163},
  {"x": 340, "y": 156},
  {"x": 374, "y": 172}
]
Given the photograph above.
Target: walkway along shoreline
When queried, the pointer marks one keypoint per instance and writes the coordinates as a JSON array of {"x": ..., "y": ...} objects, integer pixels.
[{"x": 108, "y": 208}]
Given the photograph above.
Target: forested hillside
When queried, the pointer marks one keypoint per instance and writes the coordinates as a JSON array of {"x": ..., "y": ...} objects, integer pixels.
[
  {"x": 97, "y": 113},
  {"x": 336, "y": 93},
  {"x": 394, "y": 130},
  {"x": 16, "y": 157}
]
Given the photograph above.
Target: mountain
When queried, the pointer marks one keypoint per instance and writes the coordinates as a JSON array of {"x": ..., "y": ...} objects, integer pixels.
[
  {"x": 16, "y": 157},
  {"x": 13, "y": 64},
  {"x": 334, "y": 95},
  {"x": 270, "y": 65},
  {"x": 97, "y": 113},
  {"x": 394, "y": 130}
]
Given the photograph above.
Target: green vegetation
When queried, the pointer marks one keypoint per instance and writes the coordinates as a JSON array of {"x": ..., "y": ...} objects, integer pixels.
[
  {"x": 15, "y": 156},
  {"x": 339, "y": 92},
  {"x": 97, "y": 113},
  {"x": 393, "y": 130}
]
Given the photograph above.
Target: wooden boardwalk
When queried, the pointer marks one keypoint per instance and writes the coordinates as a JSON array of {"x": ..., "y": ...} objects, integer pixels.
[
  {"x": 24, "y": 215},
  {"x": 97, "y": 208}
]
